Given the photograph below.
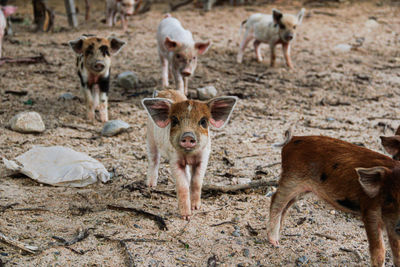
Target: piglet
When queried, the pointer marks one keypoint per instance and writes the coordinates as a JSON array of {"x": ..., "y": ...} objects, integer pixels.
[
  {"x": 179, "y": 51},
  {"x": 178, "y": 129},
  {"x": 392, "y": 144},
  {"x": 349, "y": 177},
  {"x": 123, "y": 8},
  {"x": 5, "y": 11}
]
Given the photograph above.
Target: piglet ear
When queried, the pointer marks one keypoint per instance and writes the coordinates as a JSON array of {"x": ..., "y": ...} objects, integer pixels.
[
  {"x": 171, "y": 45},
  {"x": 277, "y": 15},
  {"x": 158, "y": 110},
  {"x": 115, "y": 44},
  {"x": 77, "y": 45},
  {"x": 391, "y": 144},
  {"x": 300, "y": 16},
  {"x": 371, "y": 179},
  {"x": 221, "y": 109},
  {"x": 202, "y": 47},
  {"x": 8, "y": 10},
  {"x": 398, "y": 131}
]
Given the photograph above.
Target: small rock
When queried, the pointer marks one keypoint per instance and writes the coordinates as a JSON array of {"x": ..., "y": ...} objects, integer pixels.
[
  {"x": 67, "y": 96},
  {"x": 27, "y": 122},
  {"x": 330, "y": 119},
  {"x": 3, "y": 253},
  {"x": 56, "y": 252},
  {"x": 137, "y": 226},
  {"x": 207, "y": 92},
  {"x": 333, "y": 212},
  {"x": 343, "y": 48},
  {"x": 301, "y": 261},
  {"x": 371, "y": 23},
  {"x": 128, "y": 80},
  {"x": 246, "y": 252},
  {"x": 236, "y": 233},
  {"x": 114, "y": 127}
]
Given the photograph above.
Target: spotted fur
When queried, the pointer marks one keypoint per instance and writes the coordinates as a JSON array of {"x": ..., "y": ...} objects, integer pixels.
[{"x": 93, "y": 65}]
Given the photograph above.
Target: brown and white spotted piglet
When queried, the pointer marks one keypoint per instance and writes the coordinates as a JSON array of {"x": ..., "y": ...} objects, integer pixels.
[
  {"x": 351, "y": 178},
  {"x": 94, "y": 67},
  {"x": 178, "y": 129}
]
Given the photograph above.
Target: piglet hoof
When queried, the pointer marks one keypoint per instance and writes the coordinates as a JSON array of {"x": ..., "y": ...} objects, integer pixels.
[
  {"x": 196, "y": 205},
  {"x": 259, "y": 60},
  {"x": 186, "y": 217},
  {"x": 274, "y": 243}
]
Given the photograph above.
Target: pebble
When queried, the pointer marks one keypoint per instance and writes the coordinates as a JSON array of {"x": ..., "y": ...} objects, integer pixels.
[
  {"x": 208, "y": 92},
  {"x": 236, "y": 233},
  {"x": 371, "y": 23},
  {"x": 332, "y": 212},
  {"x": 27, "y": 122},
  {"x": 343, "y": 48},
  {"x": 301, "y": 261},
  {"x": 246, "y": 252},
  {"x": 67, "y": 96},
  {"x": 128, "y": 80},
  {"x": 114, "y": 127}
]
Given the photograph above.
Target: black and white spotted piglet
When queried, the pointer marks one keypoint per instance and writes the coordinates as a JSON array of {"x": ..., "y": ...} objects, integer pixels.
[{"x": 94, "y": 65}]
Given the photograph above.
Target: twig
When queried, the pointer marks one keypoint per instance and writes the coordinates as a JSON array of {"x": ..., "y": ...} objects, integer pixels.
[
  {"x": 130, "y": 262},
  {"x": 77, "y": 127},
  {"x": 158, "y": 219},
  {"x": 26, "y": 60},
  {"x": 8, "y": 206},
  {"x": 222, "y": 223},
  {"x": 250, "y": 156},
  {"x": 180, "y": 4},
  {"x": 239, "y": 187},
  {"x": 355, "y": 252},
  {"x": 18, "y": 244},
  {"x": 31, "y": 209},
  {"x": 19, "y": 93},
  {"x": 251, "y": 230},
  {"x": 325, "y": 13},
  {"x": 326, "y": 236},
  {"x": 81, "y": 235}
]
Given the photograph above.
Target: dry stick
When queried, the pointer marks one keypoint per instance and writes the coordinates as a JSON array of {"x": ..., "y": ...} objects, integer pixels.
[
  {"x": 239, "y": 187},
  {"x": 8, "y": 206},
  {"x": 178, "y": 5},
  {"x": 130, "y": 262},
  {"x": 26, "y": 60},
  {"x": 20, "y": 245},
  {"x": 158, "y": 219},
  {"x": 82, "y": 234},
  {"x": 326, "y": 236},
  {"x": 222, "y": 223},
  {"x": 355, "y": 252}
]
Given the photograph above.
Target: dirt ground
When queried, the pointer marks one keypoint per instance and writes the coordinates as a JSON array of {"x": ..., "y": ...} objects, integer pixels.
[{"x": 352, "y": 95}]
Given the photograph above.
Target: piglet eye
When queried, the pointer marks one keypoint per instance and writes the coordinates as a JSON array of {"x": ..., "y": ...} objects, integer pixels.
[
  {"x": 194, "y": 58},
  {"x": 294, "y": 27},
  {"x": 282, "y": 26},
  {"x": 174, "y": 121},
  {"x": 178, "y": 56},
  {"x": 203, "y": 123}
]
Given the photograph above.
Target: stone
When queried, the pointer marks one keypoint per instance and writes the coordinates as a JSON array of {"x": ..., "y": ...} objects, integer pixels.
[
  {"x": 67, "y": 96},
  {"x": 114, "y": 127},
  {"x": 208, "y": 92},
  {"x": 371, "y": 23},
  {"x": 128, "y": 80},
  {"x": 343, "y": 48},
  {"x": 192, "y": 94},
  {"x": 27, "y": 122},
  {"x": 236, "y": 233}
]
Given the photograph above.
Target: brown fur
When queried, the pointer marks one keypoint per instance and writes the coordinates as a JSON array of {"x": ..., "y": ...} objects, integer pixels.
[
  {"x": 392, "y": 144},
  {"x": 332, "y": 169}
]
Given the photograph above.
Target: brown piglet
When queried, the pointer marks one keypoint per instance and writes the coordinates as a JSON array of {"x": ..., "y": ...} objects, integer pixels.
[
  {"x": 351, "y": 178},
  {"x": 392, "y": 144}
]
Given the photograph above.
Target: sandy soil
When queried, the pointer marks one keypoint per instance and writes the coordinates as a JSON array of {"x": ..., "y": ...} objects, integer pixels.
[{"x": 353, "y": 96}]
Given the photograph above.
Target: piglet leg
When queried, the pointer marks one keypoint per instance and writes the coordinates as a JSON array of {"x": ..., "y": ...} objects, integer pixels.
[
  {"x": 165, "y": 70},
  {"x": 182, "y": 189},
  {"x": 286, "y": 53},
  {"x": 373, "y": 228},
  {"x": 90, "y": 107},
  {"x": 284, "y": 197},
  {"x": 180, "y": 85},
  {"x": 273, "y": 55},
  {"x": 103, "y": 107},
  {"x": 198, "y": 173},
  {"x": 257, "y": 50},
  {"x": 124, "y": 22},
  {"x": 153, "y": 160},
  {"x": 246, "y": 39}
]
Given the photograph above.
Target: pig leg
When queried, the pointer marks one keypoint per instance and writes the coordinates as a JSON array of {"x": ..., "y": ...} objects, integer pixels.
[
  {"x": 165, "y": 70},
  {"x": 110, "y": 17},
  {"x": 103, "y": 107},
  {"x": 373, "y": 228},
  {"x": 286, "y": 53},
  {"x": 90, "y": 108},
  {"x": 182, "y": 189},
  {"x": 124, "y": 23},
  {"x": 395, "y": 246},
  {"x": 185, "y": 85},
  {"x": 153, "y": 160},
  {"x": 179, "y": 83},
  {"x": 1, "y": 42},
  {"x": 257, "y": 50},
  {"x": 246, "y": 39},
  {"x": 198, "y": 173},
  {"x": 273, "y": 55},
  {"x": 285, "y": 196}
]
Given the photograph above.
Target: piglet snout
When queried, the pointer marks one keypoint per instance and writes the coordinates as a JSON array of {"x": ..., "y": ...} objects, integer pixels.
[
  {"x": 99, "y": 66},
  {"x": 188, "y": 140},
  {"x": 289, "y": 37},
  {"x": 186, "y": 73}
]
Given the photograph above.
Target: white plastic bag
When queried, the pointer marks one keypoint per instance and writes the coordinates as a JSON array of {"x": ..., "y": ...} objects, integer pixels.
[{"x": 59, "y": 166}]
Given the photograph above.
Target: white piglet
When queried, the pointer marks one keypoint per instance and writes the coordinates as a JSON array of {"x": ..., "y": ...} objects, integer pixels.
[
  {"x": 178, "y": 52},
  {"x": 178, "y": 129},
  {"x": 122, "y": 8},
  {"x": 5, "y": 11}
]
